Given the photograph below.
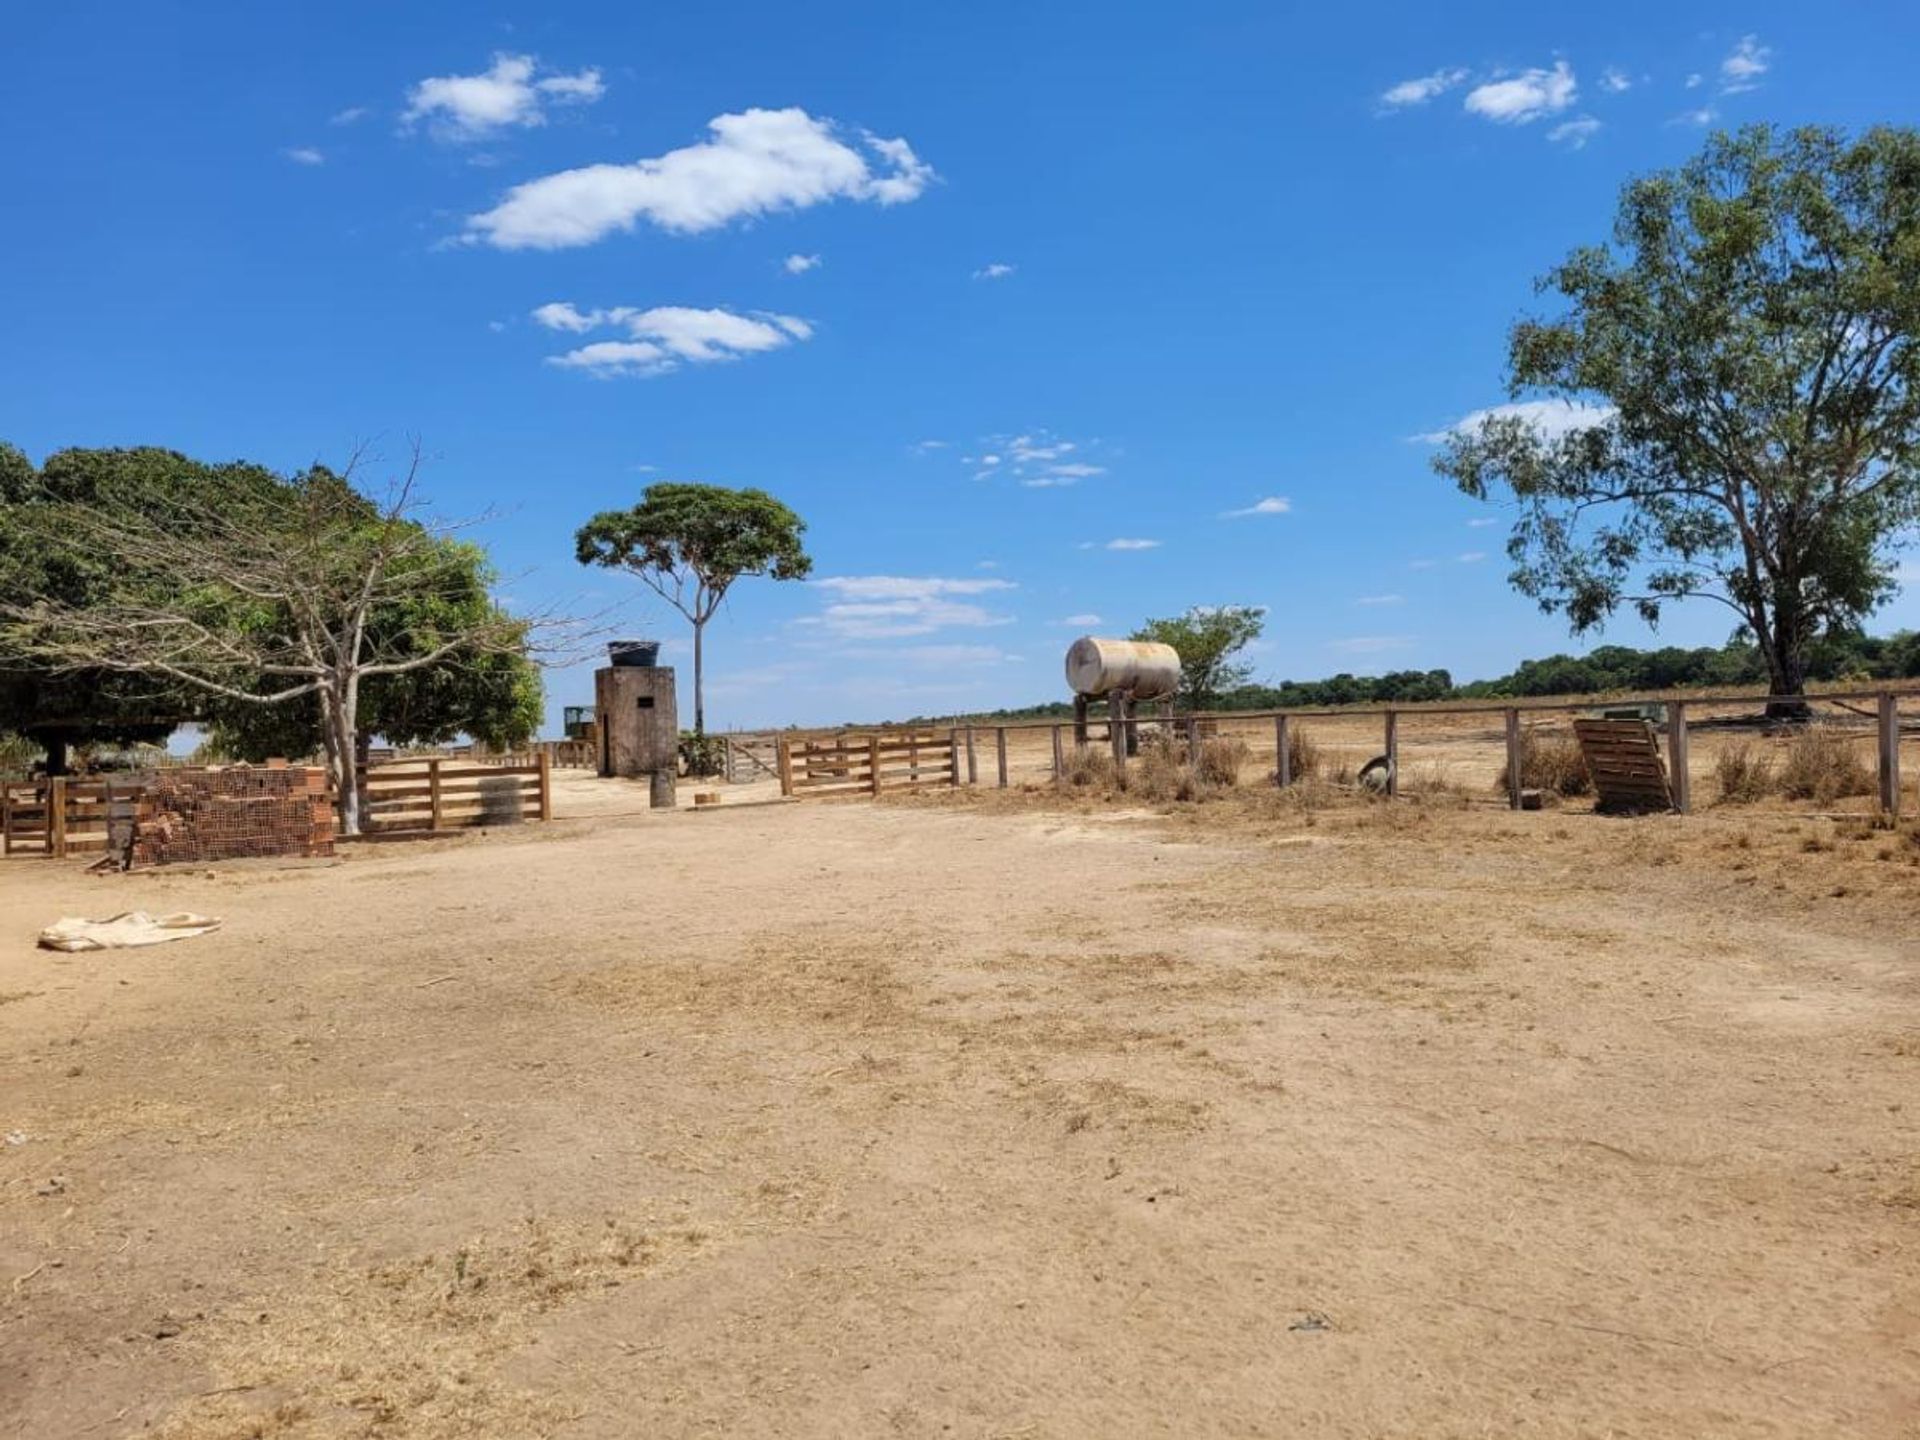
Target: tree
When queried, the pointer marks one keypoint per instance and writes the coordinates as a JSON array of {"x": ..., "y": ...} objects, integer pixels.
[
  {"x": 1207, "y": 638},
  {"x": 302, "y": 590},
  {"x": 1744, "y": 361},
  {"x": 689, "y": 543}
]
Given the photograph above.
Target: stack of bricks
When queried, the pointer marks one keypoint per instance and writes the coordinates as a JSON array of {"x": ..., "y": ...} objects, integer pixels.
[{"x": 185, "y": 816}]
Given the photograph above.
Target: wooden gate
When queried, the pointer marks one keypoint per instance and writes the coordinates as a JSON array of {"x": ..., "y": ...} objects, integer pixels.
[
  {"x": 877, "y": 763},
  {"x": 57, "y": 817}
]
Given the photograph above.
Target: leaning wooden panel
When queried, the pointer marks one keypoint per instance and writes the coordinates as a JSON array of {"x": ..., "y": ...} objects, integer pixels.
[{"x": 1624, "y": 759}]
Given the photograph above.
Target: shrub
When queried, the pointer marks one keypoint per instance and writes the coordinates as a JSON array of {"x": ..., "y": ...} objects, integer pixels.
[
  {"x": 1822, "y": 765},
  {"x": 1550, "y": 762},
  {"x": 1221, "y": 759},
  {"x": 1089, "y": 765},
  {"x": 701, "y": 754},
  {"x": 1303, "y": 756},
  {"x": 1745, "y": 773}
]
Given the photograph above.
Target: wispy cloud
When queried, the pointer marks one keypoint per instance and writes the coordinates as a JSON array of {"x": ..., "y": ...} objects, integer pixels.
[
  {"x": 1521, "y": 99},
  {"x": 352, "y": 115},
  {"x": 927, "y": 447},
  {"x": 1551, "y": 419},
  {"x": 878, "y": 607},
  {"x": 1369, "y": 644},
  {"x": 511, "y": 95},
  {"x": 1480, "y": 522},
  {"x": 1078, "y": 622},
  {"x": 1615, "y": 81},
  {"x": 1420, "y": 89},
  {"x": 1471, "y": 557},
  {"x": 1124, "y": 544},
  {"x": 305, "y": 155},
  {"x": 1703, "y": 117},
  {"x": 754, "y": 163},
  {"x": 1036, "y": 459},
  {"x": 1272, "y": 505},
  {"x": 800, "y": 264},
  {"x": 1575, "y": 133},
  {"x": 998, "y": 270},
  {"x": 662, "y": 338},
  {"x": 1380, "y": 600},
  {"x": 1742, "y": 69},
  {"x": 1693, "y": 81}
]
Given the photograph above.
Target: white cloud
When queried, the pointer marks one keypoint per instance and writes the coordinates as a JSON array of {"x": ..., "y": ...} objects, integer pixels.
[
  {"x": 1133, "y": 544},
  {"x": 1370, "y": 644},
  {"x": 662, "y": 338},
  {"x": 1704, "y": 116},
  {"x": 1742, "y": 69},
  {"x": 1420, "y": 90},
  {"x": 1078, "y": 622},
  {"x": 927, "y": 447},
  {"x": 1480, "y": 522},
  {"x": 754, "y": 163},
  {"x": 349, "y": 116},
  {"x": 1471, "y": 557},
  {"x": 305, "y": 155},
  {"x": 1550, "y": 418},
  {"x": 800, "y": 264},
  {"x": 1037, "y": 460},
  {"x": 1615, "y": 81},
  {"x": 996, "y": 271},
  {"x": 1521, "y": 99},
  {"x": 1380, "y": 600},
  {"x": 878, "y": 607},
  {"x": 508, "y": 96},
  {"x": 1272, "y": 505},
  {"x": 1575, "y": 133},
  {"x": 1421, "y": 564},
  {"x": 1076, "y": 470},
  {"x": 1692, "y": 82}
]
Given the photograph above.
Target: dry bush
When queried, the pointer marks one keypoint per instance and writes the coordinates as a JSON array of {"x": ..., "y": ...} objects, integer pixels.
[
  {"x": 1822, "y": 765},
  {"x": 1160, "y": 772},
  {"x": 1303, "y": 756},
  {"x": 1745, "y": 773},
  {"x": 1090, "y": 765},
  {"x": 1550, "y": 762},
  {"x": 1221, "y": 759}
]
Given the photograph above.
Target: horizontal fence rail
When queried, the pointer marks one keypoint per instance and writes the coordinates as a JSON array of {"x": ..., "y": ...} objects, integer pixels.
[
  {"x": 435, "y": 794},
  {"x": 868, "y": 764}
]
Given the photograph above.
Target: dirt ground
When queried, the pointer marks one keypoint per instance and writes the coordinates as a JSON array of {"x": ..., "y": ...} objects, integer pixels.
[{"x": 994, "y": 1115}]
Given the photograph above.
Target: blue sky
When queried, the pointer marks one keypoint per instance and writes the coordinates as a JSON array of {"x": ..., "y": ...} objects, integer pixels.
[{"x": 1036, "y": 313}]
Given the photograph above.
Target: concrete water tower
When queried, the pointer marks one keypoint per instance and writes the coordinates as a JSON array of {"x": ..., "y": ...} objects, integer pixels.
[{"x": 638, "y": 718}]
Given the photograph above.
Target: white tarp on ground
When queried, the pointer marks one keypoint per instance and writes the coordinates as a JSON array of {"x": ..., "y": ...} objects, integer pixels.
[{"x": 135, "y": 927}]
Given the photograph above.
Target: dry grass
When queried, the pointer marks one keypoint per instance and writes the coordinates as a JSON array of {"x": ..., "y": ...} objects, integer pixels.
[
  {"x": 1550, "y": 762},
  {"x": 1303, "y": 755},
  {"x": 1745, "y": 772},
  {"x": 1823, "y": 765},
  {"x": 1221, "y": 759},
  {"x": 1161, "y": 773}
]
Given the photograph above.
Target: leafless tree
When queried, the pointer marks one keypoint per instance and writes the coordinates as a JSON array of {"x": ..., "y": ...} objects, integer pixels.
[{"x": 268, "y": 594}]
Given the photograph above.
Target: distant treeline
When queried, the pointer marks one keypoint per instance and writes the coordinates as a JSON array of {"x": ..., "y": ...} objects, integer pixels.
[{"x": 1608, "y": 668}]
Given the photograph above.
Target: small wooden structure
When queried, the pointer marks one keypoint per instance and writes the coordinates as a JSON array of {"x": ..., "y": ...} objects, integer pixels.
[
  {"x": 1623, "y": 757},
  {"x": 869, "y": 763}
]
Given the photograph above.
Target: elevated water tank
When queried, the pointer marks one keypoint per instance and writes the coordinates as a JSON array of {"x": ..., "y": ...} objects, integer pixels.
[{"x": 1146, "y": 669}]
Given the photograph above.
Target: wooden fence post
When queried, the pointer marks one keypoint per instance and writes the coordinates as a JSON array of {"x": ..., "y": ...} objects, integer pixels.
[
  {"x": 1282, "y": 753},
  {"x": 1514, "y": 759},
  {"x": 57, "y": 817},
  {"x": 1889, "y": 753},
  {"x": 1677, "y": 776},
  {"x": 784, "y": 748},
  {"x": 1393, "y": 753},
  {"x": 1000, "y": 752},
  {"x": 1117, "y": 729},
  {"x": 1193, "y": 742},
  {"x": 1059, "y": 757},
  {"x": 726, "y": 758},
  {"x": 873, "y": 762},
  {"x": 6, "y": 817},
  {"x": 433, "y": 792},
  {"x": 953, "y": 756},
  {"x": 973, "y": 759},
  {"x": 546, "y": 786}
]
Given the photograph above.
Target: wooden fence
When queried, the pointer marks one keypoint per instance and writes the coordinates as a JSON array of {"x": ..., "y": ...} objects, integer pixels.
[
  {"x": 440, "y": 794},
  {"x": 868, "y": 764},
  {"x": 58, "y": 817}
]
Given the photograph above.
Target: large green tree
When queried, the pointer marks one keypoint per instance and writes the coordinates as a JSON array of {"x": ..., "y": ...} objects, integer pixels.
[
  {"x": 1739, "y": 390},
  {"x": 689, "y": 543},
  {"x": 1207, "y": 639}
]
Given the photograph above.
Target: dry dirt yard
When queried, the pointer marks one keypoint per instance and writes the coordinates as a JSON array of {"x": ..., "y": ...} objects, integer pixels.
[{"x": 988, "y": 1116}]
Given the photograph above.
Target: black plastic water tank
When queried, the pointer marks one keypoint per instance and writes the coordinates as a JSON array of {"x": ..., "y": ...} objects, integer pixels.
[{"x": 643, "y": 653}]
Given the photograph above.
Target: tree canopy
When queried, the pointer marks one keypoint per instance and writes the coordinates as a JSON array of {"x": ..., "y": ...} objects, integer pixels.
[
  {"x": 1207, "y": 638},
  {"x": 1741, "y": 416},
  {"x": 689, "y": 543}
]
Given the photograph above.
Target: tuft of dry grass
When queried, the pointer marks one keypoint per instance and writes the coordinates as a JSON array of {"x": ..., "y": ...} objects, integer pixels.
[
  {"x": 1091, "y": 767},
  {"x": 1822, "y": 765},
  {"x": 1221, "y": 759},
  {"x": 1745, "y": 773},
  {"x": 1303, "y": 756},
  {"x": 1550, "y": 762}
]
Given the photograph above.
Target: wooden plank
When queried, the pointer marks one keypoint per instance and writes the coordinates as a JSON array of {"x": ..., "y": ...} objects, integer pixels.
[
  {"x": 1514, "y": 759},
  {"x": 873, "y": 762},
  {"x": 57, "y": 817},
  {"x": 1393, "y": 753},
  {"x": 433, "y": 794},
  {"x": 546, "y": 786},
  {"x": 785, "y": 748},
  {"x": 1283, "y": 752},
  {"x": 973, "y": 760},
  {"x": 1059, "y": 757},
  {"x": 1678, "y": 775},
  {"x": 1000, "y": 752},
  {"x": 1889, "y": 766}
]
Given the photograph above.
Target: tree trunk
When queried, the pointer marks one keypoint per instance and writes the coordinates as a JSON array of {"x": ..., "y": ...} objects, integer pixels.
[
  {"x": 1785, "y": 653},
  {"x": 56, "y": 746},
  {"x": 699, "y": 691},
  {"x": 338, "y": 727}
]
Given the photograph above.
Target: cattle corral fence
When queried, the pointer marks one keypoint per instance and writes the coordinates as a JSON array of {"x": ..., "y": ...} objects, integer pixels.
[{"x": 1438, "y": 736}]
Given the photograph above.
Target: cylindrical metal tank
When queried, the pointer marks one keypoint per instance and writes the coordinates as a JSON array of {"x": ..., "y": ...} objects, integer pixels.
[{"x": 1146, "y": 669}]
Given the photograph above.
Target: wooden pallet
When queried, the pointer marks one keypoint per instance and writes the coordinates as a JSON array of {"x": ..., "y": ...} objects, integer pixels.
[{"x": 1623, "y": 757}]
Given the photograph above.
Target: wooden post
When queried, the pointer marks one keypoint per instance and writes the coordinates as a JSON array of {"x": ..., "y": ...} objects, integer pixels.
[
  {"x": 1677, "y": 777},
  {"x": 1059, "y": 758},
  {"x": 6, "y": 816},
  {"x": 546, "y": 786},
  {"x": 784, "y": 748},
  {"x": 1889, "y": 754},
  {"x": 973, "y": 759},
  {"x": 873, "y": 763},
  {"x": 1000, "y": 752},
  {"x": 1513, "y": 759},
  {"x": 726, "y": 758},
  {"x": 433, "y": 792},
  {"x": 1193, "y": 741},
  {"x": 1283, "y": 753},
  {"x": 57, "y": 817},
  {"x": 1393, "y": 753},
  {"x": 1117, "y": 729}
]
